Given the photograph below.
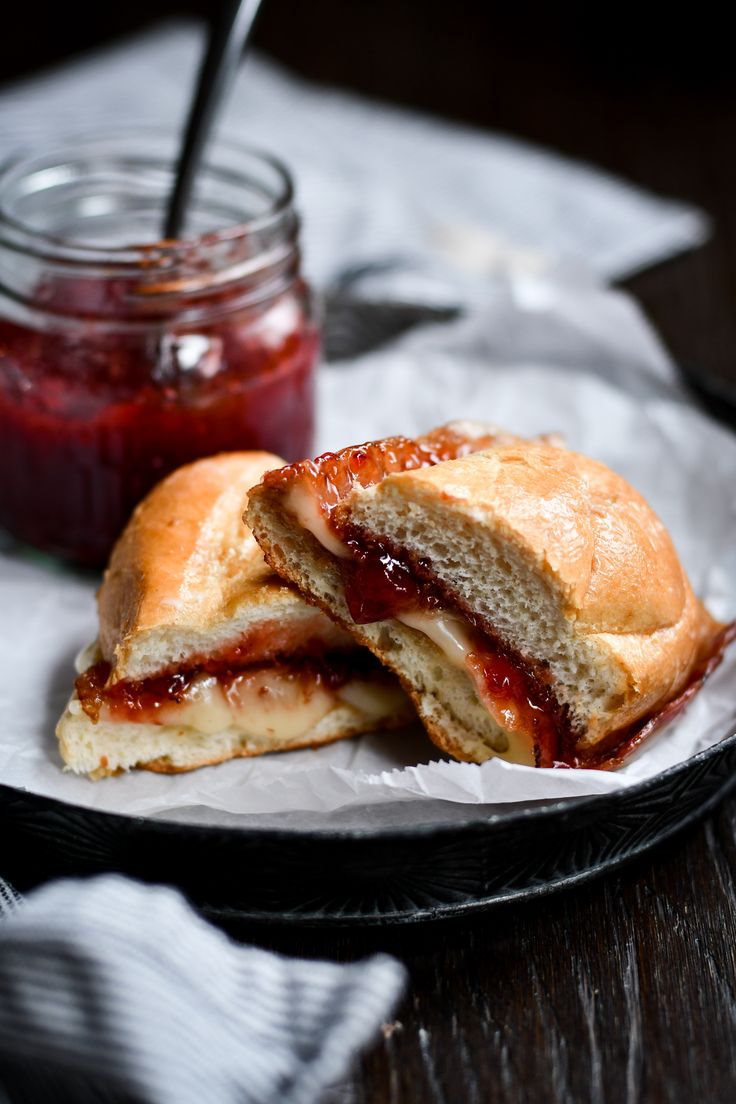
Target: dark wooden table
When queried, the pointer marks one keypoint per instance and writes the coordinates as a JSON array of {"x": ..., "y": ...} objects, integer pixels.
[{"x": 624, "y": 990}]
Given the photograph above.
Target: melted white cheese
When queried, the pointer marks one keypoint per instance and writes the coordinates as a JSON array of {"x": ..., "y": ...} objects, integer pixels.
[
  {"x": 262, "y": 704},
  {"x": 268, "y": 704},
  {"x": 304, "y": 506},
  {"x": 374, "y": 700},
  {"x": 449, "y": 633}
]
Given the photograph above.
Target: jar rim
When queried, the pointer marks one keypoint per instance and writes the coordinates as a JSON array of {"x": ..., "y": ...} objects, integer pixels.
[{"x": 42, "y": 245}]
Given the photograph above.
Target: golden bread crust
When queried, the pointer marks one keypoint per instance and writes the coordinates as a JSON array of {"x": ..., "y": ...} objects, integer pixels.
[
  {"x": 584, "y": 527},
  {"x": 186, "y": 560}
]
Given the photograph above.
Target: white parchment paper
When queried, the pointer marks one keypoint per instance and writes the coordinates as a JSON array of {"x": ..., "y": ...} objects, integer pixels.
[{"x": 573, "y": 358}]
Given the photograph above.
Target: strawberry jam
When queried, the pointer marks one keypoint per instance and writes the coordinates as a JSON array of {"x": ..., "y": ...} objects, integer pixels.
[
  {"x": 142, "y": 701},
  {"x": 91, "y": 421},
  {"x": 379, "y": 584},
  {"x": 119, "y": 362},
  {"x": 332, "y": 475},
  {"x": 519, "y": 702}
]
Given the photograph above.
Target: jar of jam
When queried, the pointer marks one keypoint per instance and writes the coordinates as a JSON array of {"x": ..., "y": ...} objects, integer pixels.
[{"x": 123, "y": 356}]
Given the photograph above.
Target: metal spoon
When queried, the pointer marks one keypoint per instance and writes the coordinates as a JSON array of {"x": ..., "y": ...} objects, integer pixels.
[{"x": 227, "y": 43}]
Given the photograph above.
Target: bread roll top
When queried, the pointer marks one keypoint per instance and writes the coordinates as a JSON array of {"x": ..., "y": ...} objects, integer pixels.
[{"x": 187, "y": 578}]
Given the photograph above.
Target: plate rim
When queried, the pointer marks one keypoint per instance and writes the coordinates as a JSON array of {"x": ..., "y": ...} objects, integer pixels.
[{"x": 463, "y": 910}]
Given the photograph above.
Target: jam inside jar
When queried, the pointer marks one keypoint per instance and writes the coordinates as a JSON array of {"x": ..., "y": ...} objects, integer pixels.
[{"x": 119, "y": 362}]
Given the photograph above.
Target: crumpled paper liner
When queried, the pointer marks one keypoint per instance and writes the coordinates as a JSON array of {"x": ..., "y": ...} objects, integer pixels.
[{"x": 575, "y": 359}]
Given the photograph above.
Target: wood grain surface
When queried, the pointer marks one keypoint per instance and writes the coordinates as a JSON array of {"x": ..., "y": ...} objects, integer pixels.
[{"x": 621, "y": 991}]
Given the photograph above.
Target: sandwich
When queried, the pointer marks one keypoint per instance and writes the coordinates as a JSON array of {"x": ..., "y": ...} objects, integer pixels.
[
  {"x": 203, "y": 653},
  {"x": 528, "y": 599}
]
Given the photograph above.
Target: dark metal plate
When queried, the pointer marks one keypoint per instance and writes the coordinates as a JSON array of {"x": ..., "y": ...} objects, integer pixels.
[{"x": 366, "y": 877}]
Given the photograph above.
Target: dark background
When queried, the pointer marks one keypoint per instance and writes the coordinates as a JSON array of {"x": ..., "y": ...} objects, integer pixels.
[{"x": 644, "y": 90}]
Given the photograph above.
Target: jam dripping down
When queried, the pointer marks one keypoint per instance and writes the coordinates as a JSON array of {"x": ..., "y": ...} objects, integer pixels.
[
  {"x": 379, "y": 584},
  {"x": 520, "y": 702}
]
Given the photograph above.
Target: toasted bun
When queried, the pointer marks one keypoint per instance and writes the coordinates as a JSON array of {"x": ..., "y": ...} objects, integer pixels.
[
  {"x": 187, "y": 579},
  {"x": 554, "y": 555}
]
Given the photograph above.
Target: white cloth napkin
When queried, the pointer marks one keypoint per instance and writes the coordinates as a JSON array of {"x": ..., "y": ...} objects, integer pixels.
[
  {"x": 377, "y": 185},
  {"x": 115, "y": 991}
]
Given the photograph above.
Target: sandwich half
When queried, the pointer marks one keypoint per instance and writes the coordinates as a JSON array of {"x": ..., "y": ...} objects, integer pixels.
[
  {"x": 203, "y": 653},
  {"x": 529, "y": 600}
]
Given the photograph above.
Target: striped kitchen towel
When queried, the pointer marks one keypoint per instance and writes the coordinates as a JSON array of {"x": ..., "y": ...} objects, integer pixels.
[
  {"x": 115, "y": 991},
  {"x": 9, "y": 899}
]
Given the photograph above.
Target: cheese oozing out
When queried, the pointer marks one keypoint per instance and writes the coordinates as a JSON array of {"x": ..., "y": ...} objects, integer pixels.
[
  {"x": 259, "y": 703},
  {"x": 304, "y": 506},
  {"x": 448, "y": 631},
  {"x": 266, "y": 704}
]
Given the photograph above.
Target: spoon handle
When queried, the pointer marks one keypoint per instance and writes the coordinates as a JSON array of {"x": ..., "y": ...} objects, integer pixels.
[{"x": 227, "y": 42}]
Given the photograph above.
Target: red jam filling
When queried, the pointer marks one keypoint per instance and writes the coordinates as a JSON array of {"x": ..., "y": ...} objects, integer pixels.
[
  {"x": 526, "y": 705},
  {"x": 379, "y": 584},
  {"x": 333, "y": 474},
  {"x": 91, "y": 418},
  {"x": 141, "y": 701}
]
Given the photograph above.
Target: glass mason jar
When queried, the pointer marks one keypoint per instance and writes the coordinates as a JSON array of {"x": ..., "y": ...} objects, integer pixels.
[{"x": 123, "y": 356}]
